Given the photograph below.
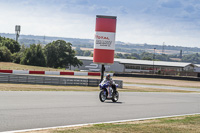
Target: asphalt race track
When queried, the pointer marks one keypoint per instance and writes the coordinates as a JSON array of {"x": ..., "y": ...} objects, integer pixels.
[{"x": 28, "y": 110}]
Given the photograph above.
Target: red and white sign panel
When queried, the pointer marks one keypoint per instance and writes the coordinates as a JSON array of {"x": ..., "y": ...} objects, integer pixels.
[{"x": 104, "y": 42}]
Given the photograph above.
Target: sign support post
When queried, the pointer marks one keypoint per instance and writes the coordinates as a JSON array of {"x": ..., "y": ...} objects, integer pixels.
[{"x": 102, "y": 72}]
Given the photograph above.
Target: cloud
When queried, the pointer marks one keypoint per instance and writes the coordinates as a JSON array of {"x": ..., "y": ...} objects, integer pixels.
[
  {"x": 171, "y": 4},
  {"x": 189, "y": 9},
  {"x": 173, "y": 21}
]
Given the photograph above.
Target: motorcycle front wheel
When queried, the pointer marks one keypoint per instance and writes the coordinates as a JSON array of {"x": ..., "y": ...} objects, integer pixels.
[
  {"x": 102, "y": 96},
  {"x": 115, "y": 96}
]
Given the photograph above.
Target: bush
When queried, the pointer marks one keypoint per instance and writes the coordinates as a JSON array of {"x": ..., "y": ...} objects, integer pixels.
[
  {"x": 5, "y": 54},
  {"x": 17, "y": 57}
]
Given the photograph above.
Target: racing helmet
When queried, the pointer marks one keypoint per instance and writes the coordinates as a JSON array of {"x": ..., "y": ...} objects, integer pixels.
[{"x": 108, "y": 76}]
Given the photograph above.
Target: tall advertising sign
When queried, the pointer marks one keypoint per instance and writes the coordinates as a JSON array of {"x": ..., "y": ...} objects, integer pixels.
[{"x": 104, "y": 42}]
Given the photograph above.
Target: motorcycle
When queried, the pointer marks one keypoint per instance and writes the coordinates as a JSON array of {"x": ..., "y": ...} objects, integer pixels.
[{"x": 108, "y": 93}]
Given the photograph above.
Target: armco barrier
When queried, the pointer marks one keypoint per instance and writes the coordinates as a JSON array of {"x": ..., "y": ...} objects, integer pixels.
[
  {"x": 49, "y": 80},
  {"x": 157, "y": 76},
  {"x": 53, "y": 73}
]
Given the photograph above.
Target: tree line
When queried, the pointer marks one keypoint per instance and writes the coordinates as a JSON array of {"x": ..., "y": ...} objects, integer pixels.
[
  {"x": 60, "y": 54},
  {"x": 191, "y": 58},
  {"x": 55, "y": 54},
  {"x": 80, "y": 52}
]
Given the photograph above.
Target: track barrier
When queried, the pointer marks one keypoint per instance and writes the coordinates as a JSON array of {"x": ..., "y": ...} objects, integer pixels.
[{"x": 50, "y": 80}]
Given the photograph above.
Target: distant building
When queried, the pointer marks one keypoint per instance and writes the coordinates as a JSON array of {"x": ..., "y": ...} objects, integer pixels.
[
  {"x": 197, "y": 68},
  {"x": 132, "y": 65}
]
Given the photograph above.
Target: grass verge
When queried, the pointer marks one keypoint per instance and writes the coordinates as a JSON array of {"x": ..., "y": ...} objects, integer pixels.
[
  {"x": 30, "y": 87},
  {"x": 15, "y": 66},
  {"x": 182, "y": 124},
  {"x": 163, "y": 85}
]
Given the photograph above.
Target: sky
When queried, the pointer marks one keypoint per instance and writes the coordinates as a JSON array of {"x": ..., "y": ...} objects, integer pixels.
[{"x": 173, "y": 22}]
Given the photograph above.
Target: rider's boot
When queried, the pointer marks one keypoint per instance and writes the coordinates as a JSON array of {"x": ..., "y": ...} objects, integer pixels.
[{"x": 110, "y": 93}]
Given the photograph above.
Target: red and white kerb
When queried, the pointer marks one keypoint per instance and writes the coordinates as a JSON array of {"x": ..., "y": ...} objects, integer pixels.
[{"x": 104, "y": 42}]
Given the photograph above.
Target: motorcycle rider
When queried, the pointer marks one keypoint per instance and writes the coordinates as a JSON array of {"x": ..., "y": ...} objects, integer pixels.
[{"x": 111, "y": 83}]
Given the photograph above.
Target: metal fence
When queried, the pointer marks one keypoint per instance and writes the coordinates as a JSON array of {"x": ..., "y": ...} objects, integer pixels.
[{"x": 49, "y": 80}]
